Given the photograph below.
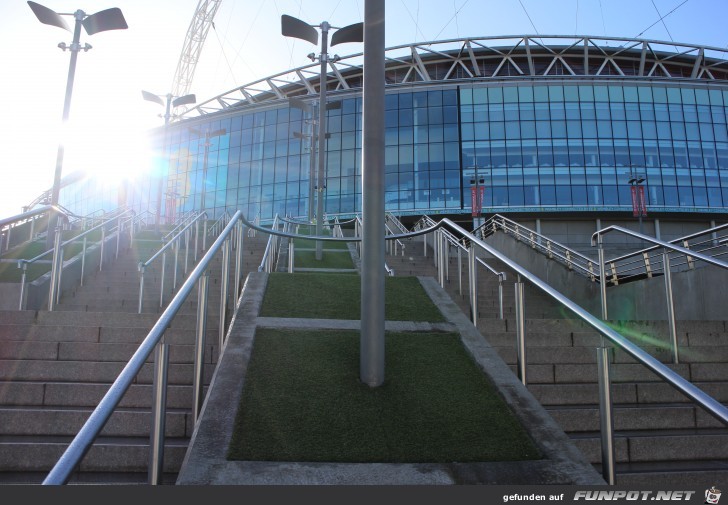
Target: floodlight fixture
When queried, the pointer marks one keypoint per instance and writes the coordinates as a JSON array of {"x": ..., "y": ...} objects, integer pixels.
[{"x": 109, "y": 19}]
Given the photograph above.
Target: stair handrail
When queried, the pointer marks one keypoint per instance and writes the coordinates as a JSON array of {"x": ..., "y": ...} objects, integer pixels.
[
  {"x": 444, "y": 271},
  {"x": 574, "y": 260},
  {"x": 181, "y": 223},
  {"x": 646, "y": 258},
  {"x": 79, "y": 446},
  {"x": 175, "y": 244},
  {"x": 219, "y": 224},
  {"x": 57, "y": 262},
  {"x": 268, "y": 263},
  {"x": 597, "y": 239},
  {"x": 6, "y": 224},
  {"x": 685, "y": 387},
  {"x": 391, "y": 217},
  {"x": 393, "y": 243}
]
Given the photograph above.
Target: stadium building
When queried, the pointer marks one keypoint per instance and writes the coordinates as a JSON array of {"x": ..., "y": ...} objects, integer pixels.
[{"x": 551, "y": 128}]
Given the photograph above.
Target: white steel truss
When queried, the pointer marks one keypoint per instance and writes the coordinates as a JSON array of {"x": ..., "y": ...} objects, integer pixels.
[{"x": 492, "y": 58}]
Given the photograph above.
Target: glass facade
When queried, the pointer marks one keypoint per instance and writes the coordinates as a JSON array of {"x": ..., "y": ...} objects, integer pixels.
[{"x": 536, "y": 145}]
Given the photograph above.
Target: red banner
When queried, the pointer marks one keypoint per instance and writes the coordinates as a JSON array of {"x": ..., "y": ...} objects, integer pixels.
[
  {"x": 639, "y": 206},
  {"x": 643, "y": 204},
  {"x": 476, "y": 199}
]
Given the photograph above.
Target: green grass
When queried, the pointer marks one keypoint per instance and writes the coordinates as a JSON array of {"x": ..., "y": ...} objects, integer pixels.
[
  {"x": 303, "y": 401},
  {"x": 9, "y": 272},
  {"x": 307, "y": 259},
  {"x": 338, "y": 296}
]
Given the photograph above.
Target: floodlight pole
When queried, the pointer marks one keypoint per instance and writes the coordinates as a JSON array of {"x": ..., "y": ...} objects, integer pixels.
[
  {"x": 320, "y": 180},
  {"x": 371, "y": 360},
  {"x": 79, "y": 15},
  {"x": 109, "y": 19}
]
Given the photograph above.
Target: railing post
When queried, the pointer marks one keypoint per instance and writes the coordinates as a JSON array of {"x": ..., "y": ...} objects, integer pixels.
[
  {"x": 197, "y": 382},
  {"x": 460, "y": 270},
  {"x": 605, "y": 415},
  {"x": 161, "y": 279},
  {"x": 83, "y": 260},
  {"x": 187, "y": 249},
  {"x": 21, "y": 304},
  {"x": 103, "y": 244},
  {"x": 197, "y": 238},
  {"x": 440, "y": 237},
  {"x": 224, "y": 289},
  {"x": 290, "y": 256},
  {"x": 175, "y": 247},
  {"x": 473, "y": 285},
  {"x": 204, "y": 237},
  {"x": 159, "y": 414},
  {"x": 501, "y": 278},
  {"x": 239, "y": 261},
  {"x": 142, "y": 268},
  {"x": 602, "y": 278},
  {"x": 57, "y": 253},
  {"x": 118, "y": 235},
  {"x": 521, "y": 330},
  {"x": 670, "y": 304}
]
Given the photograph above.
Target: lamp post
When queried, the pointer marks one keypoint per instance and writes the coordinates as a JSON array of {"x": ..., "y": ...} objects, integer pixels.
[
  {"x": 293, "y": 27},
  {"x": 170, "y": 102},
  {"x": 208, "y": 135},
  {"x": 109, "y": 19}
]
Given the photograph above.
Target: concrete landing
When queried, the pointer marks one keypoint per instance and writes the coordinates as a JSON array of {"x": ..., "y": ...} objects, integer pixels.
[{"x": 205, "y": 462}]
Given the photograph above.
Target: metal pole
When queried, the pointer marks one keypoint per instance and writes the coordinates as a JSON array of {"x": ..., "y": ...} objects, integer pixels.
[
  {"x": 79, "y": 15},
  {"x": 239, "y": 261},
  {"x": 54, "y": 269},
  {"x": 670, "y": 304},
  {"x": 200, "y": 345},
  {"x": 83, "y": 260},
  {"x": 161, "y": 279},
  {"x": 473, "y": 285},
  {"x": 500, "y": 295},
  {"x": 605, "y": 415},
  {"x": 460, "y": 271},
  {"x": 159, "y": 414},
  {"x": 141, "y": 286},
  {"x": 373, "y": 243},
  {"x": 21, "y": 305},
  {"x": 602, "y": 278},
  {"x": 521, "y": 331},
  {"x": 320, "y": 182},
  {"x": 224, "y": 289}
]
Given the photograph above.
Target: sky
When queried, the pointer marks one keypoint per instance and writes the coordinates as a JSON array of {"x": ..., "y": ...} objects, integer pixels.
[{"x": 109, "y": 120}]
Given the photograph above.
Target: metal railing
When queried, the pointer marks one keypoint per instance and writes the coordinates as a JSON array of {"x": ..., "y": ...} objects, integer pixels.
[
  {"x": 554, "y": 250},
  {"x": 11, "y": 226},
  {"x": 441, "y": 248},
  {"x": 124, "y": 220},
  {"x": 174, "y": 243},
  {"x": 154, "y": 341},
  {"x": 358, "y": 225},
  {"x": 706, "y": 402},
  {"x": 641, "y": 263},
  {"x": 663, "y": 264},
  {"x": 270, "y": 255}
]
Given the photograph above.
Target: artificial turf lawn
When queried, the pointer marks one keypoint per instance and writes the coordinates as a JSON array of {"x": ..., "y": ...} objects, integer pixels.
[
  {"x": 329, "y": 259},
  {"x": 338, "y": 296},
  {"x": 302, "y": 401}
]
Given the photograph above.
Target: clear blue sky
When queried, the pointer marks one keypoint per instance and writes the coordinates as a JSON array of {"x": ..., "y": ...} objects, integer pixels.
[{"x": 109, "y": 117}]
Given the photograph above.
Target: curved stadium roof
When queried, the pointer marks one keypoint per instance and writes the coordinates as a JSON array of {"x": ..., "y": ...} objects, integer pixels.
[{"x": 483, "y": 58}]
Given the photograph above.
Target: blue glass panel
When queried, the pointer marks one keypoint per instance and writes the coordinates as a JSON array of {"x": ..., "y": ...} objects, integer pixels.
[{"x": 406, "y": 101}]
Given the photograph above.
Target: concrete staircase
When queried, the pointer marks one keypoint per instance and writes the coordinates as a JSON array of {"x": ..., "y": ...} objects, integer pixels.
[
  {"x": 56, "y": 366},
  {"x": 661, "y": 438}
]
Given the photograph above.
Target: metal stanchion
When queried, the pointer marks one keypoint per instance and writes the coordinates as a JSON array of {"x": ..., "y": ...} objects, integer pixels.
[
  {"x": 159, "y": 414},
  {"x": 605, "y": 415}
]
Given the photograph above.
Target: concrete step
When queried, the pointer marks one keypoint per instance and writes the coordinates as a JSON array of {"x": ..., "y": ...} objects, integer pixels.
[
  {"x": 89, "y": 371},
  {"x": 20, "y": 454},
  {"x": 69, "y": 394},
  {"x": 58, "y": 421},
  {"x": 622, "y": 393},
  {"x": 92, "y": 351},
  {"x": 672, "y": 445}
]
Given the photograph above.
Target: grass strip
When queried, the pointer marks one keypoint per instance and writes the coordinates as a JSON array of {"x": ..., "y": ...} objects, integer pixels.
[
  {"x": 303, "y": 401},
  {"x": 338, "y": 296},
  {"x": 307, "y": 259}
]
